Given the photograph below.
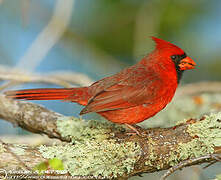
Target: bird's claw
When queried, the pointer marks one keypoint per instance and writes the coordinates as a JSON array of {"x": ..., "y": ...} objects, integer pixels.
[{"x": 135, "y": 131}]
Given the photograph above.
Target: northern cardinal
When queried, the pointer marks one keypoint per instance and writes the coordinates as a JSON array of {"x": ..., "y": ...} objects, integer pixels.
[{"x": 130, "y": 96}]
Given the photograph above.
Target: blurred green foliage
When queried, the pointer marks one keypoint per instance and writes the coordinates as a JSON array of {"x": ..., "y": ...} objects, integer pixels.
[{"x": 111, "y": 25}]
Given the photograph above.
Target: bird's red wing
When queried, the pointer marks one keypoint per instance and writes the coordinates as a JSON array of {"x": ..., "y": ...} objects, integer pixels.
[{"x": 133, "y": 91}]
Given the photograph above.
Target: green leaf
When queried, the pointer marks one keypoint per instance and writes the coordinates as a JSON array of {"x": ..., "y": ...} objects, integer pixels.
[
  {"x": 41, "y": 167},
  {"x": 218, "y": 177},
  {"x": 56, "y": 164}
]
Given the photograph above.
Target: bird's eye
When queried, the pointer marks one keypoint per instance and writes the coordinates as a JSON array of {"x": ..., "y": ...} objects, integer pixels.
[{"x": 173, "y": 57}]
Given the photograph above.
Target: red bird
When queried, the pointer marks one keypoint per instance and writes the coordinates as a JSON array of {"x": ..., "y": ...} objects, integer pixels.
[{"x": 130, "y": 96}]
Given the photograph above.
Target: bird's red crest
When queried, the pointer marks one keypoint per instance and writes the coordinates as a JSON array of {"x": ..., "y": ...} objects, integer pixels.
[{"x": 162, "y": 44}]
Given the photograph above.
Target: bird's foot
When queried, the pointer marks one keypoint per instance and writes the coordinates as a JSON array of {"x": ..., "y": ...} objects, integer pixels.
[{"x": 134, "y": 129}]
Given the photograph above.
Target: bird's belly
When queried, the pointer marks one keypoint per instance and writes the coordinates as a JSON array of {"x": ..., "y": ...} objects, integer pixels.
[{"x": 133, "y": 115}]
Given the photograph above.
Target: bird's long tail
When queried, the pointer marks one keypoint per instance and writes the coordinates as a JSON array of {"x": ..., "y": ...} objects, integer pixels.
[{"x": 78, "y": 95}]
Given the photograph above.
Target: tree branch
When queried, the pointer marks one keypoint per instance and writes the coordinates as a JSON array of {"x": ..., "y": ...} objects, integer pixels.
[
  {"x": 101, "y": 149},
  {"x": 200, "y": 87},
  {"x": 61, "y": 78},
  {"x": 31, "y": 117}
]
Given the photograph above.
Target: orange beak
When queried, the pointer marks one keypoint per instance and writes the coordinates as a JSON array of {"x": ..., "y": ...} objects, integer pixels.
[{"x": 187, "y": 63}]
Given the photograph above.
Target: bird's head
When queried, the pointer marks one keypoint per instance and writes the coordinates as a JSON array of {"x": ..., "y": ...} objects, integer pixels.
[{"x": 171, "y": 52}]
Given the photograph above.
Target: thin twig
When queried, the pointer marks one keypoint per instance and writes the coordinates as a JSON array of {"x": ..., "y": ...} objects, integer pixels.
[
  {"x": 216, "y": 157},
  {"x": 15, "y": 156},
  {"x": 200, "y": 87},
  {"x": 61, "y": 78},
  {"x": 49, "y": 35},
  {"x": 9, "y": 84}
]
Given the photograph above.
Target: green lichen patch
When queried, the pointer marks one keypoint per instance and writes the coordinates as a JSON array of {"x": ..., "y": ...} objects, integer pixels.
[
  {"x": 207, "y": 135},
  {"x": 95, "y": 152},
  {"x": 2, "y": 149},
  {"x": 105, "y": 158},
  {"x": 208, "y": 130},
  {"x": 188, "y": 150},
  {"x": 80, "y": 130}
]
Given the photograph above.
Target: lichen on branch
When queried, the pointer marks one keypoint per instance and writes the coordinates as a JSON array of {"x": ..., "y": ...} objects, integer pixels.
[{"x": 100, "y": 149}]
